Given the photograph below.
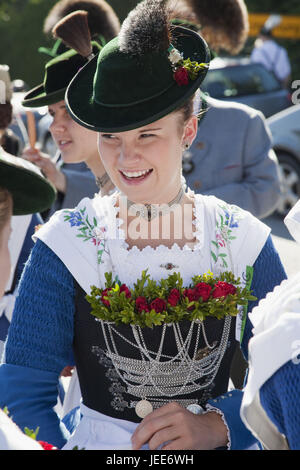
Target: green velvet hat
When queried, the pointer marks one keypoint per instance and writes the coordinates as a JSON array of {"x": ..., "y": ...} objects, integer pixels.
[
  {"x": 58, "y": 74},
  {"x": 138, "y": 77},
  {"x": 30, "y": 190}
]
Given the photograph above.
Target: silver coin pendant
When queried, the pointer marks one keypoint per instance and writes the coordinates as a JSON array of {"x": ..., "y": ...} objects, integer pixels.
[{"x": 143, "y": 408}]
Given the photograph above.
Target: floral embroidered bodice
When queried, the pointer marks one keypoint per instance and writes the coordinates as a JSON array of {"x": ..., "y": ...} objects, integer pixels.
[
  {"x": 90, "y": 241},
  {"x": 210, "y": 252}
]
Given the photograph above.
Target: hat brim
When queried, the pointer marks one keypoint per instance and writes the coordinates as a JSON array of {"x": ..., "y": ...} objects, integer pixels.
[
  {"x": 94, "y": 116},
  {"x": 37, "y": 97},
  {"x": 31, "y": 192}
]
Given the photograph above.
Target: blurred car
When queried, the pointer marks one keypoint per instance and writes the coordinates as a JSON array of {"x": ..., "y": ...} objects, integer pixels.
[
  {"x": 285, "y": 129},
  {"x": 237, "y": 79}
]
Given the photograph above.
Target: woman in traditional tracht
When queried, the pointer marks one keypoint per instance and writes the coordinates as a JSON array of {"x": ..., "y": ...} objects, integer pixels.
[{"x": 161, "y": 387}]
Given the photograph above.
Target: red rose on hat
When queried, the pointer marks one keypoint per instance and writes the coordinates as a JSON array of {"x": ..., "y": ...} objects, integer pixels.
[
  {"x": 181, "y": 76},
  {"x": 222, "y": 289}
]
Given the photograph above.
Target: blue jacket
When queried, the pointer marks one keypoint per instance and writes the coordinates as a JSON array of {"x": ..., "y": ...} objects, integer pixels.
[{"x": 232, "y": 158}]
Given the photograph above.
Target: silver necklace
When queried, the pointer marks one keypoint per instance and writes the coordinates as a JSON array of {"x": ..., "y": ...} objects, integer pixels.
[
  {"x": 150, "y": 211},
  {"x": 102, "y": 181},
  {"x": 149, "y": 377}
]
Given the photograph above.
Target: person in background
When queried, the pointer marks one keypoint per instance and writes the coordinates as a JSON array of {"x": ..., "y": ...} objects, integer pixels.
[
  {"x": 270, "y": 406},
  {"x": 23, "y": 191},
  {"x": 74, "y": 173},
  {"x": 270, "y": 54},
  {"x": 236, "y": 164},
  {"x": 22, "y": 226}
]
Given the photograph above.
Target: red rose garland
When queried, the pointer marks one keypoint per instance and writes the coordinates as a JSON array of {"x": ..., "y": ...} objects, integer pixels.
[{"x": 151, "y": 303}]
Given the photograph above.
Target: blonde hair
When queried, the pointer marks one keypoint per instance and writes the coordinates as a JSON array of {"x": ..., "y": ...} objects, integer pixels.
[
  {"x": 190, "y": 108},
  {"x": 6, "y": 205}
]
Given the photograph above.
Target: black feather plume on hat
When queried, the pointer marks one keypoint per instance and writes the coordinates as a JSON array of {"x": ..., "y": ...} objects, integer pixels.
[
  {"x": 224, "y": 23},
  {"x": 102, "y": 20},
  {"x": 146, "y": 29}
]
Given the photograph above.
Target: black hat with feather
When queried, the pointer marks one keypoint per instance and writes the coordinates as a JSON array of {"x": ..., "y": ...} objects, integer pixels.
[
  {"x": 73, "y": 30},
  {"x": 222, "y": 23},
  {"x": 145, "y": 73}
]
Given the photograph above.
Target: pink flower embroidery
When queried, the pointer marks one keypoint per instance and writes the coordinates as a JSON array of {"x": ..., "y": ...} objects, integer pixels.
[{"x": 220, "y": 240}]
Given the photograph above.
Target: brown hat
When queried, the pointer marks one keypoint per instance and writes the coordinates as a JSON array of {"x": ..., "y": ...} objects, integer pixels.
[{"x": 223, "y": 23}]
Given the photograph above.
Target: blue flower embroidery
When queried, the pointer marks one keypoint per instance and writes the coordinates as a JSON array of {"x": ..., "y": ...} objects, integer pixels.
[
  {"x": 89, "y": 230},
  {"x": 75, "y": 219},
  {"x": 230, "y": 220}
]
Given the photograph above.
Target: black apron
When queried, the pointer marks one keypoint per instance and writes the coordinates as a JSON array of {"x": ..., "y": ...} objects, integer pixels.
[{"x": 101, "y": 387}]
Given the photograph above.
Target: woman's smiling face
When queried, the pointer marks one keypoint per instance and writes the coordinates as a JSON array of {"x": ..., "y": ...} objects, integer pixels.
[{"x": 145, "y": 163}]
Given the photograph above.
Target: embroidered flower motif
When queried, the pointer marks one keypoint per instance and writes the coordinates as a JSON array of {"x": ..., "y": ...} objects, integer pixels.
[
  {"x": 75, "y": 219},
  {"x": 220, "y": 240},
  {"x": 100, "y": 232},
  {"x": 89, "y": 230},
  {"x": 228, "y": 220}
]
